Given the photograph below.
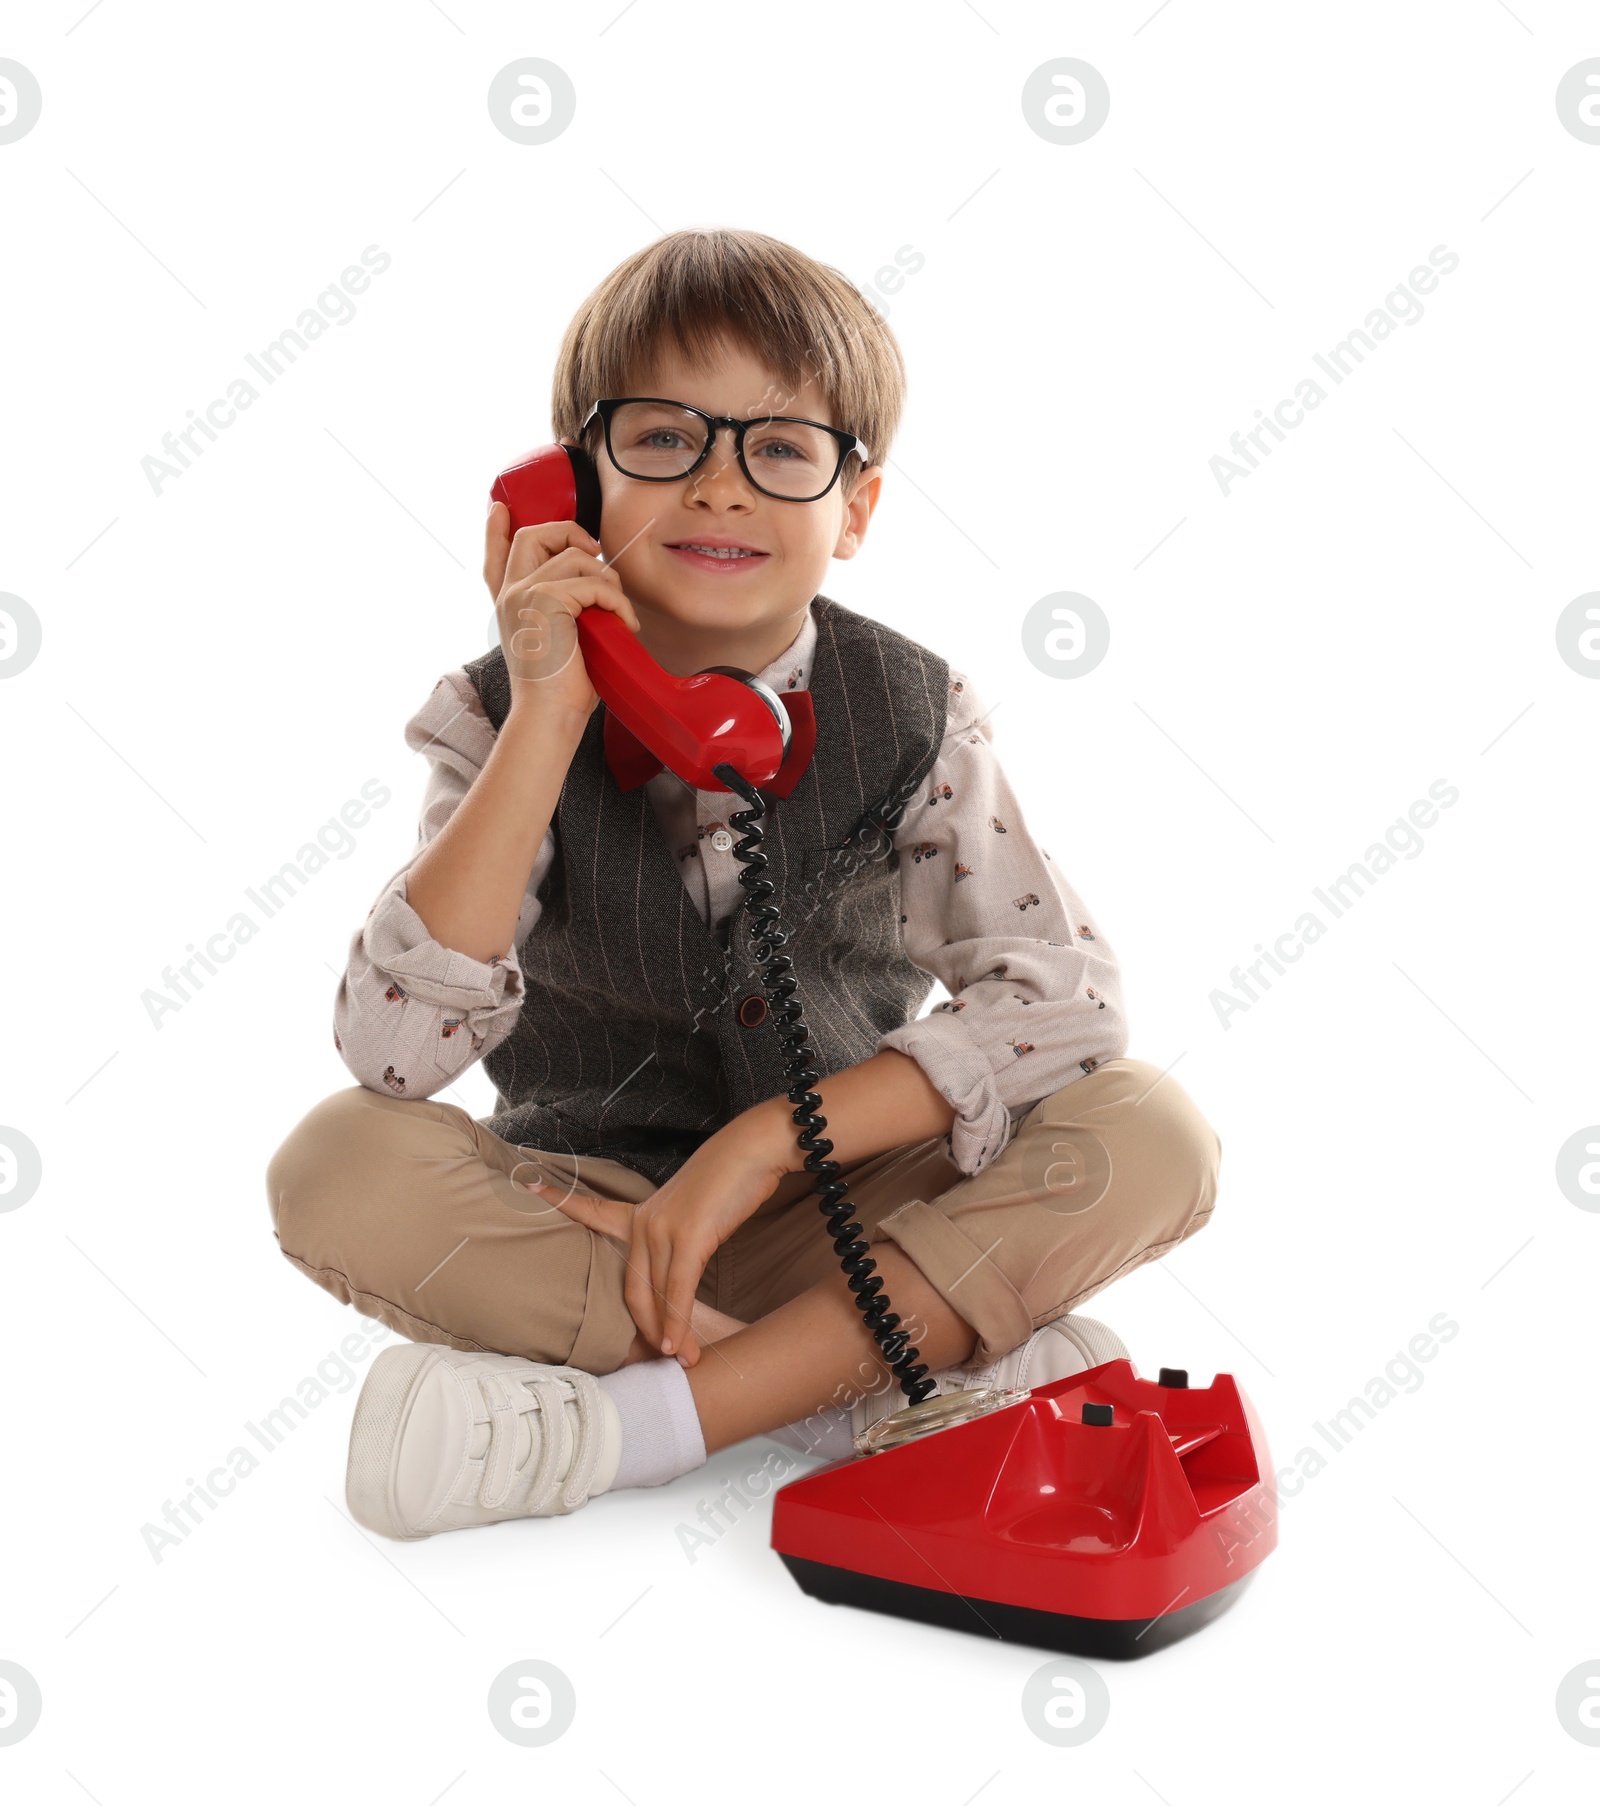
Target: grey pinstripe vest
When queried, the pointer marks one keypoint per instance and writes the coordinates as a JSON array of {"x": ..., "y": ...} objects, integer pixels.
[{"x": 642, "y": 1030}]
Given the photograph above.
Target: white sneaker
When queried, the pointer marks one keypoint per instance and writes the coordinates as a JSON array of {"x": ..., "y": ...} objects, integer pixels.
[
  {"x": 444, "y": 1439},
  {"x": 1069, "y": 1344}
]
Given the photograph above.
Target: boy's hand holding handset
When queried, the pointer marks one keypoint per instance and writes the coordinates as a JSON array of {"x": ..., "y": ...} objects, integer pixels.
[{"x": 541, "y": 579}]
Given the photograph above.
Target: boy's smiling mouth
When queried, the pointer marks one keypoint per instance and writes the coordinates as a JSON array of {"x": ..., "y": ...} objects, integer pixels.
[{"x": 716, "y": 552}]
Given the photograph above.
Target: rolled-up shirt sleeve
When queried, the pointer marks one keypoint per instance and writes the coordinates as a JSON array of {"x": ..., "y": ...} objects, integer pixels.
[
  {"x": 411, "y": 1014},
  {"x": 1035, "y": 991}
]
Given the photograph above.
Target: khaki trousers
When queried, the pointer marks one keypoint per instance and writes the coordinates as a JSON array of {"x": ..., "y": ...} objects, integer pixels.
[{"x": 409, "y": 1211}]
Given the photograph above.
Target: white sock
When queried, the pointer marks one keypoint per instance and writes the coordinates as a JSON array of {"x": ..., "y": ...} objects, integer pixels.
[{"x": 661, "y": 1436}]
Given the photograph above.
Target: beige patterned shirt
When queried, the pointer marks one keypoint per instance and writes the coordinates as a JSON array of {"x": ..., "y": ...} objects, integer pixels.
[{"x": 1034, "y": 991}]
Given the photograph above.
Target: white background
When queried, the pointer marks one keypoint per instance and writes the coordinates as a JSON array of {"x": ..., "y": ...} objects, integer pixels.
[{"x": 226, "y": 663}]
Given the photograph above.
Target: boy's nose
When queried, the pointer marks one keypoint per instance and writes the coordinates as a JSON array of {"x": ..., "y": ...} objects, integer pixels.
[{"x": 719, "y": 479}]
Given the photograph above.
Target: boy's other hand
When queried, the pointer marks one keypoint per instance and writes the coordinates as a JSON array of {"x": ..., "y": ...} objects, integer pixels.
[
  {"x": 672, "y": 1235},
  {"x": 540, "y": 579}
]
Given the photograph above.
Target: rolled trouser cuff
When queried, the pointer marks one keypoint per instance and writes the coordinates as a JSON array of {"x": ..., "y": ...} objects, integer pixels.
[{"x": 962, "y": 1274}]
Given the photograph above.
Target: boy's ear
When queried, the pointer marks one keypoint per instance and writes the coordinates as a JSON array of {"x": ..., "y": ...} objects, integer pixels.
[{"x": 858, "y": 511}]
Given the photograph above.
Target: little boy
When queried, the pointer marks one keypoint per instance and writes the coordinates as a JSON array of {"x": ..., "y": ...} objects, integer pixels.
[{"x": 624, "y": 1268}]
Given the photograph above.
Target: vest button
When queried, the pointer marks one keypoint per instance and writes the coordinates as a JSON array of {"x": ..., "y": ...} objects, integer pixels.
[{"x": 752, "y": 1009}]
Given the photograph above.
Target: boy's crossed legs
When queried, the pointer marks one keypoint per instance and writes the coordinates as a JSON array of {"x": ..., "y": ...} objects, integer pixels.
[{"x": 412, "y": 1211}]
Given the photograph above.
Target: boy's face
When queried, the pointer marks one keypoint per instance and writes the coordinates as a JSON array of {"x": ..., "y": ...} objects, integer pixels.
[{"x": 679, "y": 598}]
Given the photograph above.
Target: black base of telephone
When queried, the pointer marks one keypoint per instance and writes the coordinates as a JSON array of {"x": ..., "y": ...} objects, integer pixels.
[{"x": 1116, "y": 1639}]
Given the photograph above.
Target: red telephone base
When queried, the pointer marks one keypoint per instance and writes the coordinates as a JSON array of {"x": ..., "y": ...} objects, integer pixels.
[
  {"x": 1117, "y": 1638},
  {"x": 1030, "y": 1525}
]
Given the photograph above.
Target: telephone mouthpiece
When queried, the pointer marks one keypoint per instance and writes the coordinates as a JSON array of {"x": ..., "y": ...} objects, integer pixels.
[{"x": 692, "y": 724}]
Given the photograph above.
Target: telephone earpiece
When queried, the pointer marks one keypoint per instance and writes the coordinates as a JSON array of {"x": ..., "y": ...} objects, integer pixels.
[
  {"x": 692, "y": 724},
  {"x": 556, "y": 482}
]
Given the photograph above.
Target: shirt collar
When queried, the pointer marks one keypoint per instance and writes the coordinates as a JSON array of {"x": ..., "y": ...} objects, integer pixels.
[{"x": 791, "y": 669}]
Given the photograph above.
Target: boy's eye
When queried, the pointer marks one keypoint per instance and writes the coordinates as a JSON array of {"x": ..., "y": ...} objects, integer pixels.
[
  {"x": 663, "y": 438},
  {"x": 783, "y": 448}
]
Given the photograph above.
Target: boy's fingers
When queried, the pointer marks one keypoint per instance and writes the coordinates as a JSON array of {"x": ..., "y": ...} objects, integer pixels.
[
  {"x": 610, "y": 1216},
  {"x": 496, "y": 547},
  {"x": 534, "y": 546},
  {"x": 639, "y": 1291},
  {"x": 689, "y": 1354},
  {"x": 682, "y": 1279}
]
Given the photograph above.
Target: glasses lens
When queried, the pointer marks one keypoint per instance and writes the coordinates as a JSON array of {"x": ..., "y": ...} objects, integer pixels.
[
  {"x": 654, "y": 439},
  {"x": 786, "y": 457}
]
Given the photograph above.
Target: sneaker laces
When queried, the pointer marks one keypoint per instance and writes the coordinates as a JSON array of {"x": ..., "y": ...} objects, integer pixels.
[{"x": 508, "y": 1399}]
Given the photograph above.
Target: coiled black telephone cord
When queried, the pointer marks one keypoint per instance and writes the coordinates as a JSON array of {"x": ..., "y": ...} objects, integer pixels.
[{"x": 768, "y": 938}]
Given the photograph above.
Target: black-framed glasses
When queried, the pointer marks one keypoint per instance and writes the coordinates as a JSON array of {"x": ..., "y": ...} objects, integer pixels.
[{"x": 658, "y": 441}]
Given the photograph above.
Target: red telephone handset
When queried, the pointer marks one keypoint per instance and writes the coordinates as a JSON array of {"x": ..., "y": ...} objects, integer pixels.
[{"x": 692, "y": 723}]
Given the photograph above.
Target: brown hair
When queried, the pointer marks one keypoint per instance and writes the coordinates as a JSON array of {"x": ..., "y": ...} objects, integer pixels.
[{"x": 802, "y": 318}]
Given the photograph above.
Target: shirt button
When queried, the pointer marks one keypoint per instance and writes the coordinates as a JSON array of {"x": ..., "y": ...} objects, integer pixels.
[{"x": 722, "y": 840}]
